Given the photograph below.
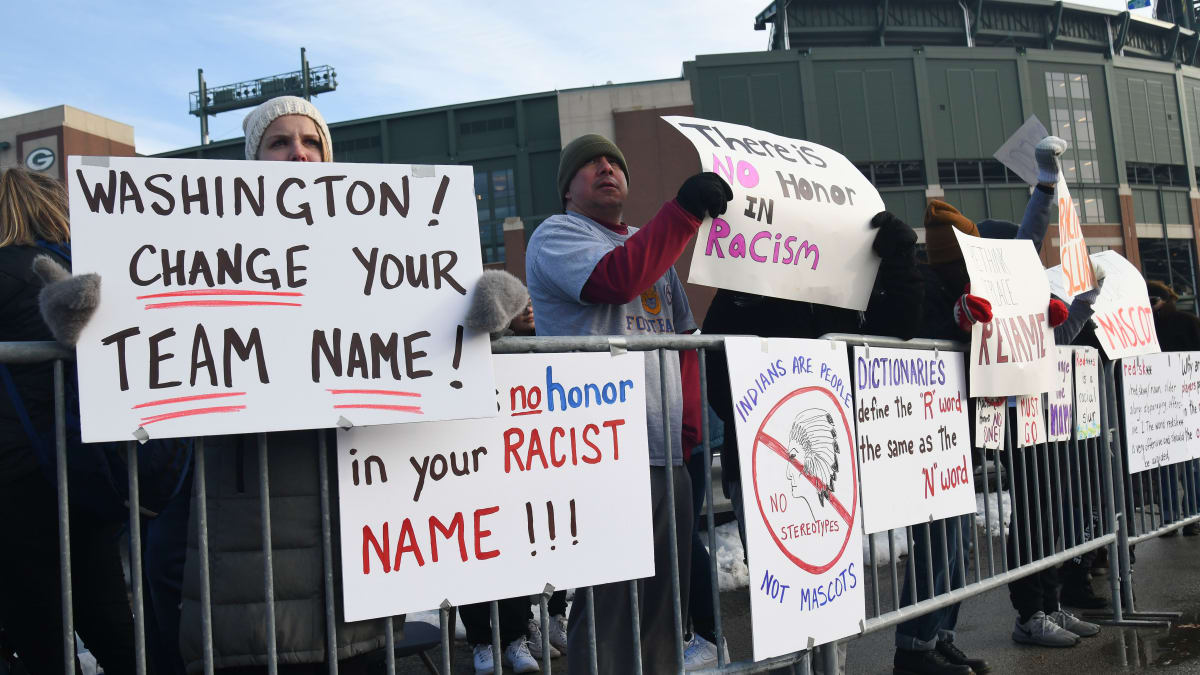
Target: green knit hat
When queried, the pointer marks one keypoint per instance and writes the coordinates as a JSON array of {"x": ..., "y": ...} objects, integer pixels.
[{"x": 579, "y": 152}]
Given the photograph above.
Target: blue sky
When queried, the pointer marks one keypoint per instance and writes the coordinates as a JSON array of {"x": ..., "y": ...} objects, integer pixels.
[{"x": 135, "y": 62}]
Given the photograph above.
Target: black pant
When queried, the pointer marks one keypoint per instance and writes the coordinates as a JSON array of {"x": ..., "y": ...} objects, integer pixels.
[
  {"x": 515, "y": 614},
  {"x": 1035, "y": 504},
  {"x": 701, "y": 600},
  {"x": 558, "y": 604},
  {"x": 30, "y": 591}
]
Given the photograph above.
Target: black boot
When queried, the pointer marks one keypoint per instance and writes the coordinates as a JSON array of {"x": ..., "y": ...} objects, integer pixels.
[
  {"x": 1077, "y": 588},
  {"x": 925, "y": 662},
  {"x": 953, "y": 654}
]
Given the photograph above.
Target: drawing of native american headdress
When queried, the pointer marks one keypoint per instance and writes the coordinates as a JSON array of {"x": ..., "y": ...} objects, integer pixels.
[{"x": 813, "y": 443}]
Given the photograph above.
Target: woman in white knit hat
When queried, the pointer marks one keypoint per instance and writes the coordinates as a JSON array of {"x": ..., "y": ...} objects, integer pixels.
[{"x": 288, "y": 129}]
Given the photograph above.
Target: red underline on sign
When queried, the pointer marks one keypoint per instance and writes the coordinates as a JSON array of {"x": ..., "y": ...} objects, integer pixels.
[
  {"x": 221, "y": 303},
  {"x": 816, "y": 482},
  {"x": 527, "y": 412},
  {"x": 219, "y": 291},
  {"x": 385, "y": 392},
  {"x": 183, "y": 399},
  {"x": 189, "y": 413},
  {"x": 376, "y": 406}
]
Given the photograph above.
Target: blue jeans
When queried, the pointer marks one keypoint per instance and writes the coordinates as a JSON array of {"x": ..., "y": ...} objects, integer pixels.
[
  {"x": 1169, "y": 479},
  {"x": 923, "y": 632}
]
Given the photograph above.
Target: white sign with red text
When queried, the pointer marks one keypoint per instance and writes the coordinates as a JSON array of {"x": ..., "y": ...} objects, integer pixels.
[
  {"x": 1087, "y": 393},
  {"x": 793, "y": 406},
  {"x": 1031, "y": 421},
  {"x": 476, "y": 510},
  {"x": 1157, "y": 429},
  {"x": 1123, "y": 318},
  {"x": 798, "y": 226},
  {"x": 1072, "y": 248},
  {"x": 1012, "y": 354},
  {"x": 914, "y": 439}
]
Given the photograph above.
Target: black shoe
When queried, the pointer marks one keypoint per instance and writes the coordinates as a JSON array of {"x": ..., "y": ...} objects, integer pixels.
[
  {"x": 954, "y": 655},
  {"x": 926, "y": 662},
  {"x": 1191, "y": 530},
  {"x": 1082, "y": 596}
]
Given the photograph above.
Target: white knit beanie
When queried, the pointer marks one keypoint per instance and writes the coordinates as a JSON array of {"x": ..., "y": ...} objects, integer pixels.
[{"x": 257, "y": 121}]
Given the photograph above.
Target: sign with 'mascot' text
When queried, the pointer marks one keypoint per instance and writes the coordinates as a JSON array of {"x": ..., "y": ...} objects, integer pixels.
[
  {"x": 798, "y": 226},
  {"x": 556, "y": 489},
  {"x": 262, "y": 296}
]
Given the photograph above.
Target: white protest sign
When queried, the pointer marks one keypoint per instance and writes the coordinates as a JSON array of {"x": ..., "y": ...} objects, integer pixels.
[
  {"x": 1031, "y": 421},
  {"x": 1013, "y": 353},
  {"x": 1123, "y": 318},
  {"x": 990, "y": 414},
  {"x": 1156, "y": 431},
  {"x": 554, "y": 490},
  {"x": 913, "y": 436},
  {"x": 1017, "y": 151},
  {"x": 261, "y": 296},
  {"x": 1072, "y": 248},
  {"x": 793, "y": 405},
  {"x": 798, "y": 226},
  {"x": 1060, "y": 397},
  {"x": 1087, "y": 393},
  {"x": 1187, "y": 364}
]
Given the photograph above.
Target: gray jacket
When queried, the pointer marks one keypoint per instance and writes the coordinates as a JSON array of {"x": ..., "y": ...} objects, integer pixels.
[{"x": 236, "y": 559}]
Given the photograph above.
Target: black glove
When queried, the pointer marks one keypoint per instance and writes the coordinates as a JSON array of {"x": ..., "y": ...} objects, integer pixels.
[
  {"x": 894, "y": 237},
  {"x": 704, "y": 194}
]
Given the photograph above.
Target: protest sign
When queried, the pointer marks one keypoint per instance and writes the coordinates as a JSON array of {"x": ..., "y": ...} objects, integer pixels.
[
  {"x": 1156, "y": 431},
  {"x": 1013, "y": 353},
  {"x": 1122, "y": 316},
  {"x": 261, "y": 296},
  {"x": 1060, "y": 397},
  {"x": 1072, "y": 249},
  {"x": 556, "y": 489},
  {"x": 990, "y": 414},
  {"x": 798, "y": 226},
  {"x": 1017, "y": 151},
  {"x": 1187, "y": 364},
  {"x": 1031, "y": 421},
  {"x": 913, "y": 436},
  {"x": 1087, "y": 393},
  {"x": 792, "y": 405}
]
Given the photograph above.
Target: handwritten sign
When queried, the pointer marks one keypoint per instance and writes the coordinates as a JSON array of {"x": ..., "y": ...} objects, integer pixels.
[
  {"x": 1122, "y": 316},
  {"x": 1060, "y": 397},
  {"x": 1031, "y": 421},
  {"x": 1087, "y": 393},
  {"x": 798, "y": 226},
  {"x": 990, "y": 414},
  {"x": 913, "y": 436},
  {"x": 1013, "y": 353},
  {"x": 1017, "y": 151},
  {"x": 1157, "y": 432},
  {"x": 1072, "y": 249},
  {"x": 483, "y": 509},
  {"x": 793, "y": 408},
  {"x": 261, "y": 296}
]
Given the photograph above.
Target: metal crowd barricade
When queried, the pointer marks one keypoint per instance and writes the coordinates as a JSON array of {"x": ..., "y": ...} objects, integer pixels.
[{"x": 1075, "y": 506}]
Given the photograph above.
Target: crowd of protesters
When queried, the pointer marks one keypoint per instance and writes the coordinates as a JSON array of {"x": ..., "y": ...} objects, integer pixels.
[{"x": 588, "y": 273}]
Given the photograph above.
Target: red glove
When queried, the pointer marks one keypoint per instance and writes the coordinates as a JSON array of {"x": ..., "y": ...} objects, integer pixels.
[
  {"x": 971, "y": 309},
  {"x": 1058, "y": 312}
]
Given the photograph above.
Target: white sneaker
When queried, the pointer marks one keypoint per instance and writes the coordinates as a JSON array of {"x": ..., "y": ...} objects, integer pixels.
[
  {"x": 517, "y": 657},
  {"x": 558, "y": 632},
  {"x": 699, "y": 653},
  {"x": 535, "y": 641},
  {"x": 483, "y": 660}
]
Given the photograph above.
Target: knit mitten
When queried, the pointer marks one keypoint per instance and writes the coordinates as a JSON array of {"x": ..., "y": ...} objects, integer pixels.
[
  {"x": 498, "y": 298},
  {"x": 893, "y": 237},
  {"x": 66, "y": 302},
  {"x": 971, "y": 309},
  {"x": 705, "y": 194},
  {"x": 1046, "y": 153},
  {"x": 1057, "y": 312}
]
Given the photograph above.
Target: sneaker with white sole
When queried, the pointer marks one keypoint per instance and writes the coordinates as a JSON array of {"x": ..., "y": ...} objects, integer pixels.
[
  {"x": 535, "y": 641},
  {"x": 1069, "y": 621},
  {"x": 699, "y": 653},
  {"x": 484, "y": 665},
  {"x": 517, "y": 657},
  {"x": 1040, "y": 630},
  {"x": 558, "y": 632}
]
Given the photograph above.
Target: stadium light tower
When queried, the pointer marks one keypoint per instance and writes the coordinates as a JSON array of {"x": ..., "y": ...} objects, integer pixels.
[{"x": 306, "y": 82}]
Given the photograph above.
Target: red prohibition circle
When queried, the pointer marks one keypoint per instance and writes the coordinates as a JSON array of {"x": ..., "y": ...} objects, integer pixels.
[{"x": 808, "y": 567}]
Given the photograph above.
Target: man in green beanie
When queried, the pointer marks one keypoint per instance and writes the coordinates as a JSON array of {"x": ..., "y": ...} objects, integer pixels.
[{"x": 589, "y": 273}]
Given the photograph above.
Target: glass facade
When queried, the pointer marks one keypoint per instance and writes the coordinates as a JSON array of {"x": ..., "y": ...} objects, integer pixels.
[
  {"x": 1171, "y": 261},
  {"x": 1071, "y": 119},
  {"x": 495, "y": 199}
]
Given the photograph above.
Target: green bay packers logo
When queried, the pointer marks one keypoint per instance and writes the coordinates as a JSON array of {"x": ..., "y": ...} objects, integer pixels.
[{"x": 650, "y": 301}]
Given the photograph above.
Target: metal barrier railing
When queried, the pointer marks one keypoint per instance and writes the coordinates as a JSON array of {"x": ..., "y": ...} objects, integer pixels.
[{"x": 1051, "y": 521}]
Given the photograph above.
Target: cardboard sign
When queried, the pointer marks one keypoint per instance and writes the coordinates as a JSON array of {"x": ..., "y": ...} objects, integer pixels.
[
  {"x": 990, "y": 414},
  {"x": 1122, "y": 317},
  {"x": 262, "y": 296},
  {"x": 556, "y": 489},
  {"x": 1156, "y": 428},
  {"x": 1017, "y": 151},
  {"x": 1031, "y": 421},
  {"x": 1087, "y": 393},
  {"x": 798, "y": 226},
  {"x": 793, "y": 407},
  {"x": 1072, "y": 249},
  {"x": 913, "y": 436},
  {"x": 1014, "y": 352},
  {"x": 1058, "y": 401}
]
